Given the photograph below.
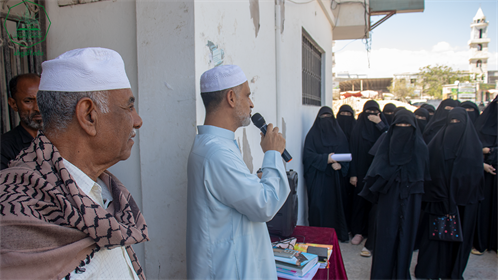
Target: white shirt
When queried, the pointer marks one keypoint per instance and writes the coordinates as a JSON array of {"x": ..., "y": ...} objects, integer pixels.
[
  {"x": 105, "y": 264},
  {"x": 228, "y": 207}
]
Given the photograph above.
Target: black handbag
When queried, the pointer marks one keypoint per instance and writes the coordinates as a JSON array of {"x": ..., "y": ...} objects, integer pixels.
[{"x": 445, "y": 228}]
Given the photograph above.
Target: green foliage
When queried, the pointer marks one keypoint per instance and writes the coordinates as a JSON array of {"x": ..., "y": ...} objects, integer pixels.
[
  {"x": 400, "y": 89},
  {"x": 432, "y": 79}
]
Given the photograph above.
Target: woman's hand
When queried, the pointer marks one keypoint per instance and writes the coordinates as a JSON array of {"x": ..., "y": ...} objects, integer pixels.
[
  {"x": 353, "y": 180},
  {"x": 336, "y": 166},
  {"x": 489, "y": 168}
]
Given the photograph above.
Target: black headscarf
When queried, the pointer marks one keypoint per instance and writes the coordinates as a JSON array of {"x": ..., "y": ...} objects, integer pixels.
[
  {"x": 431, "y": 110},
  {"x": 363, "y": 137},
  {"x": 423, "y": 113},
  {"x": 389, "y": 108},
  {"x": 486, "y": 124},
  {"x": 438, "y": 120},
  {"x": 402, "y": 156},
  {"x": 347, "y": 123},
  {"x": 456, "y": 165},
  {"x": 472, "y": 114},
  {"x": 325, "y": 136}
]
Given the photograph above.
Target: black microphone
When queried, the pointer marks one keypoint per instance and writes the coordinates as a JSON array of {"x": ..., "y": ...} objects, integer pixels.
[{"x": 260, "y": 122}]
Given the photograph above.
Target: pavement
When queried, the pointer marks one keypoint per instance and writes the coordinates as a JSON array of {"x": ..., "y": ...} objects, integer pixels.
[{"x": 480, "y": 267}]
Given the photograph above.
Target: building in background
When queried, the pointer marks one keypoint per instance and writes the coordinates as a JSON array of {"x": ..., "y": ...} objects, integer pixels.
[
  {"x": 478, "y": 44},
  {"x": 284, "y": 48}
]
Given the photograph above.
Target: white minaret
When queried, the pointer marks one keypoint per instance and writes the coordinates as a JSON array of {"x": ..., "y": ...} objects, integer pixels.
[{"x": 478, "y": 43}]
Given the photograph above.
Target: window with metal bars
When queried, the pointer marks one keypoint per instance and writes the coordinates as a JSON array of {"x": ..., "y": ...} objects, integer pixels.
[{"x": 312, "y": 72}]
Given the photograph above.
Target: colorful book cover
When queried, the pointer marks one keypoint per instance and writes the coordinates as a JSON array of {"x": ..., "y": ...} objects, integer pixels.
[{"x": 303, "y": 247}]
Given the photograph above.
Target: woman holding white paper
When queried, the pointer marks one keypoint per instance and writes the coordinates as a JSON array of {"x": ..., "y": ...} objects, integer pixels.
[{"x": 325, "y": 177}]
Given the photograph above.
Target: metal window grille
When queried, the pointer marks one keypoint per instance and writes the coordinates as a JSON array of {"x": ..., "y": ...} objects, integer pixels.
[
  {"x": 14, "y": 64},
  {"x": 312, "y": 72}
]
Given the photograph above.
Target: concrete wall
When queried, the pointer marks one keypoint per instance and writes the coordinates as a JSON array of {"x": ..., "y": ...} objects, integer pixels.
[{"x": 165, "y": 47}]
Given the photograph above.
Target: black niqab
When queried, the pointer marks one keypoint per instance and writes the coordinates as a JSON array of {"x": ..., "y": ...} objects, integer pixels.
[
  {"x": 472, "y": 114},
  {"x": 402, "y": 147},
  {"x": 347, "y": 123},
  {"x": 431, "y": 110},
  {"x": 438, "y": 120},
  {"x": 486, "y": 125},
  {"x": 389, "y": 108},
  {"x": 423, "y": 113},
  {"x": 456, "y": 165}
]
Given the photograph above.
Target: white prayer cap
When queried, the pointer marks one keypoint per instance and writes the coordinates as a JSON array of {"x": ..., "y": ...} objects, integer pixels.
[
  {"x": 222, "y": 77},
  {"x": 88, "y": 69}
]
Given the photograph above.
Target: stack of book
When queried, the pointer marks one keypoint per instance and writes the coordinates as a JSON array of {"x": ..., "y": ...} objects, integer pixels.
[
  {"x": 323, "y": 251},
  {"x": 295, "y": 265}
]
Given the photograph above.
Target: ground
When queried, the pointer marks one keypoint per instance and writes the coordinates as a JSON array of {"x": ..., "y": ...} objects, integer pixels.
[{"x": 480, "y": 267}]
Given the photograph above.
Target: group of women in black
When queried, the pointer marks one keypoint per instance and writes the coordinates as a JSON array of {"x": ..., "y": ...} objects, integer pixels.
[{"x": 407, "y": 170}]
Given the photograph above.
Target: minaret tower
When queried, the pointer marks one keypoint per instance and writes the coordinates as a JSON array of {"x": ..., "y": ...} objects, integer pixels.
[{"x": 478, "y": 43}]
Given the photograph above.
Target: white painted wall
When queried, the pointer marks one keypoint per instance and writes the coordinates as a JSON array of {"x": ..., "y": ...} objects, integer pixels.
[{"x": 166, "y": 74}]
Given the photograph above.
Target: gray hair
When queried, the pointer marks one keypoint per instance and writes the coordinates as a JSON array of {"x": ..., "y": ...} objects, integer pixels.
[{"x": 58, "y": 108}]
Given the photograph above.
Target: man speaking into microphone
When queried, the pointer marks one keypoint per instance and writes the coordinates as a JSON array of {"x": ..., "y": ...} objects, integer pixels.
[{"x": 228, "y": 207}]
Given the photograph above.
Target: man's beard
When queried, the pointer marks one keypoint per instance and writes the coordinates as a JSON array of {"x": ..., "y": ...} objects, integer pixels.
[
  {"x": 28, "y": 120},
  {"x": 244, "y": 120}
]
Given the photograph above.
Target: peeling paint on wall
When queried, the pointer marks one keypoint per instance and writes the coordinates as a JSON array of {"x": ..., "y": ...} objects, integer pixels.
[
  {"x": 254, "y": 8},
  {"x": 246, "y": 155},
  {"x": 216, "y": 55}
]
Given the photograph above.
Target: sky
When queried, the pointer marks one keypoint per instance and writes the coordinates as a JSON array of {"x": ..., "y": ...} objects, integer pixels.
[{"x": 407, "y": 42}]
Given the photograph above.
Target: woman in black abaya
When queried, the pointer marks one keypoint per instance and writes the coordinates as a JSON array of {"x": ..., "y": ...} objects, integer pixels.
[
  {"x": 431, "y": 110},
  {"x": 471, "y": 109},
  {"x": 326, "y": 178},
  {"x": 388, "y": 112},
  {"x": 395, "y": 183},
  {"x": 422, "y": 116},
  {"x": 439, "y": 119},
  {"x": 486, "y": 230},
  {"x": 371, "y": 124},
  {"x": 455, "y": 189},
  {"x": 346, "y": 120}
]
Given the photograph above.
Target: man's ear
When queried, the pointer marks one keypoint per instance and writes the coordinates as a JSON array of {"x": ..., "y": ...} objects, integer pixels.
[
  {"x": 231, "y": 98},
  {"x": 13, "y": 104},
  {"x": 86, "y": 115}
]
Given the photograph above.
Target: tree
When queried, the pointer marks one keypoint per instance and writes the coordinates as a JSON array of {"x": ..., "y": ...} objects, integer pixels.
[
  {"x": 432, "y": 79},
  {"x": 400, "y": 88}
]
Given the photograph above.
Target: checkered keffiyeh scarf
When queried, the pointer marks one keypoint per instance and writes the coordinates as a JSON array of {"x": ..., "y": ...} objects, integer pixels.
[{"x": 49, "y": 227}]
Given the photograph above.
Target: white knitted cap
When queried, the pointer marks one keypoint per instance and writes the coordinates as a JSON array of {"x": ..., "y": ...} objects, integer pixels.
[
  {"x": 88, "y": 69},
  {"x": 222, "y": 77}
]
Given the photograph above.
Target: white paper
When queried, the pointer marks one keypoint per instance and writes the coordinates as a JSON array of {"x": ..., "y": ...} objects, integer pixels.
[{"x": 342, "y": 157}]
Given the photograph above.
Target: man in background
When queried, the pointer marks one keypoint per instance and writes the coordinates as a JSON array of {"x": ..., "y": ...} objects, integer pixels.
[
  {"x": 228, "y": 207},
  {"x": 23, "y": 89}
]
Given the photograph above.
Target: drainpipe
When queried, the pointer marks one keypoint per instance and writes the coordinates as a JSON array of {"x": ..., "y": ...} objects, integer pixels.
[{"x": 278, "y": 58}]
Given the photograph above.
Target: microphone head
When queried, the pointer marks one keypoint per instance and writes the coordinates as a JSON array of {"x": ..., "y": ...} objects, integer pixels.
[{"x": 258, "y": 120}]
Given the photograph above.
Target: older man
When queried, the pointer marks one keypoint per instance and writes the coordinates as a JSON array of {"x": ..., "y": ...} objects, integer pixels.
[
  {"x": 227, "y": 237},
  {"x": 61, "y": 213},
  {"x": 23, "y": 89}
]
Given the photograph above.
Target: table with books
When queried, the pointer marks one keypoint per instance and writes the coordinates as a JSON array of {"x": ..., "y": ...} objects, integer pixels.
[{"x": 327, "y": 236}]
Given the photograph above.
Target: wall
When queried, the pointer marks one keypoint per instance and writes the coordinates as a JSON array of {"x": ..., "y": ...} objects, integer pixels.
[
  {"x": 165, "y": 47},
  {"x": 233, "y": 28}
]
